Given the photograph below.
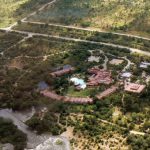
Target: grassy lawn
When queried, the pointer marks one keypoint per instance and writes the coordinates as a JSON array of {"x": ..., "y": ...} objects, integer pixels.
[
  {"x": 83, "y": 93},
  {"x": 111, "y": 15},
  {"x": 13, "y": 10}
]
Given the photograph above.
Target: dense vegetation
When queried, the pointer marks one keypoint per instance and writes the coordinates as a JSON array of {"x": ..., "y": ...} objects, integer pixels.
[
  {"x": 23, "y": 95},
  {"x": 26, "y": 64},
  {"x": 86, "y": 35},
  {"x": 139, "y": 142},
  {"x": 123, "y": 15},
  {"x": 10, "y": 134},
  {"x": 87, "y": 121},
  {"x": 47, "y": 124},
  {"x": 18, "y": 89},
  {"x": 8, "y": 39},
  {"x": 13, "y": 10}
]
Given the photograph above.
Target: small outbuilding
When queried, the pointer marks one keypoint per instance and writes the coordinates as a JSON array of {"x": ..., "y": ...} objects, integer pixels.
[
  {"x": 116, "y": 61},
  {"x": 144, "y": 65},
  {"x": 42, "y": 86},
  {"x": 126, "y": 75}
]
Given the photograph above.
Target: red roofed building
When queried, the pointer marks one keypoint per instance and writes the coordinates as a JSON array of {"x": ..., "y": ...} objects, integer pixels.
[
  {"x": 99, "y": 76},
  {"x": 134, "y": 88},
  {"x": 107, "y": 92},
  {"x": 76, "y": 100},
  {"x": 62, "y": 72},
  {"x": 79, "y": 100},
  {"x": 52, "y": 95}
]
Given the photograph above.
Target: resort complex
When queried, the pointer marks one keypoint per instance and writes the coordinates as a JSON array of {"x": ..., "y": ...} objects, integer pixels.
[{"x": 75, "y": 75}]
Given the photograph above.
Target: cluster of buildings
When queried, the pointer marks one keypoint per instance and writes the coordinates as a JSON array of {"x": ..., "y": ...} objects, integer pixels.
[
  {"x": 129, "y": 86},
  {"x": 99, "y": 76},
  {"x": 45, "y": 91}
]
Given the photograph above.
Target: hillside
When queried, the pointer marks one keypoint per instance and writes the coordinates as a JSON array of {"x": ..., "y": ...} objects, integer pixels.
[
  {"x": 125, "y": 15},
  {"x": 13, "y": 10}
]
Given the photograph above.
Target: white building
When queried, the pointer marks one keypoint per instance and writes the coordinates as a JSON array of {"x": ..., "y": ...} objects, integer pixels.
[
  {"x": 126, "y": 75},
  {"x": 79, "y": 83},
  {"x": 144, "y": 65}
]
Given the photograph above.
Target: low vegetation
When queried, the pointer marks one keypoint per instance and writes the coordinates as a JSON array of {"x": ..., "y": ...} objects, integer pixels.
[
  {"x": 129, "y": 16},
  {"x": 8, "y": 39},
  {"x": 85, "y": 35},
  {"x": 14, "y": 10}
]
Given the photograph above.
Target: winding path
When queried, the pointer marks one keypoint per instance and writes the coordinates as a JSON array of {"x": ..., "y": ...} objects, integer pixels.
[
  {"x": 73, "y": 39},
  {"x": 85, "y": 29},
  {"x": 133, "y": 50},
  {"x": 71, "y": 27}
]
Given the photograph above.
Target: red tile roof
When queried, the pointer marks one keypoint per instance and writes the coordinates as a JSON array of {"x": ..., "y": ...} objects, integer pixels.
[
  {"x": 51, "y": 95},
  {"x": 99, "y": 76},
  {"x": 62, "y": 72},
  {"x": 77, "y": 100},
  {"x": 107, "y": 92},
  {"x": 133, "y": 87}
]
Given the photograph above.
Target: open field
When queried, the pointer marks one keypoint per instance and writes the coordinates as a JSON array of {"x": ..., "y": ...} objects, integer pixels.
[
  {"x": 130, "y": 16},
  {"x": 86, "y": 35},
  {"x": 14, "y": 10}
]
